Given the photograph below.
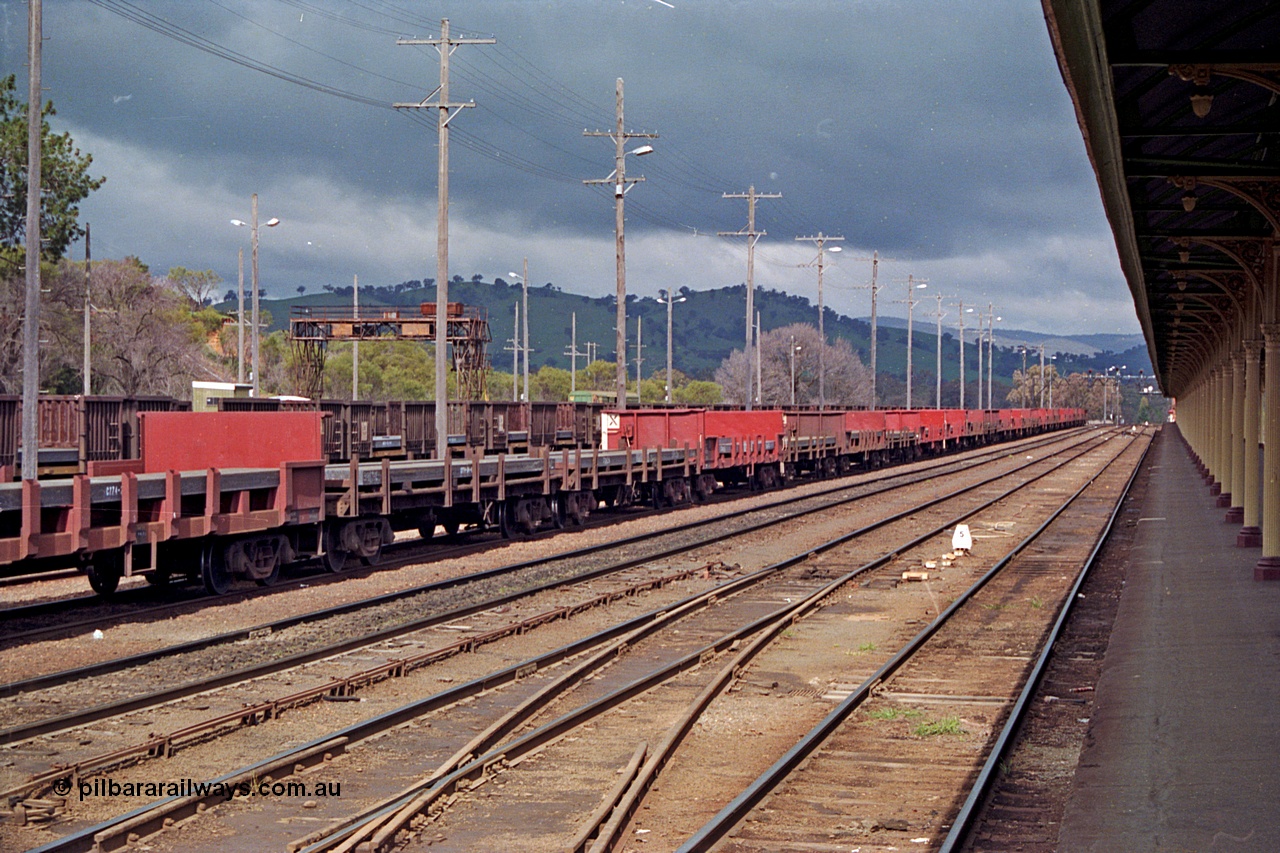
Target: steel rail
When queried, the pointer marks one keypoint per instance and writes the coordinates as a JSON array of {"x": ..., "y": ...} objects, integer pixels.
[
  {"x": 16, "y": 733},
  {"x": 164, "y": 745},
  {"x": 384, "y": 820},
  {"x": 156, "y": 815},
  {"x": 965, "y": 818},
  {"x": 737, "y": 809}
]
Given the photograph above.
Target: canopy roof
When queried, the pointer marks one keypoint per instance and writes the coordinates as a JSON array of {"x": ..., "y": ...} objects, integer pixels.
[{"x": 1177, "y": 101}]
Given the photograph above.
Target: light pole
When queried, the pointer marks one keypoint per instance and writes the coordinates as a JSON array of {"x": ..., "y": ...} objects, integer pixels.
[
  {"x": 992, "y": 319},
  {"x": 523, "y": 345},
  {"x": 253, "y": 231},
  {"x": 1105, "y": 374},
  {"x": 938, "y": 392},
  {"x": 1053, "y": 370},
  {"x": 668, "y": 300},
  {"x": 795, "y": 348},
  {"x": 981, "y": 338},
  {"x": 1022, "y": 386},
  {"x": 962, "y": 311},
  {"x": 1042, "y": 376},
  {"x": 912, "y": 285},
  {"x": 620, "y": 182}
]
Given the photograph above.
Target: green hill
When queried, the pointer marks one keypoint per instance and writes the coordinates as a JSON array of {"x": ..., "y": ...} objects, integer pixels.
[{"x": 706, "y": 328}]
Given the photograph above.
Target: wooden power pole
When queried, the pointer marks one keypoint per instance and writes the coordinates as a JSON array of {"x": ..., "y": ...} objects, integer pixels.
[
  {"x": 621, "y": 184},
  {"x": 446, "y": 46},
  {"x": 822, "y": 240},
  {"x": 752, "y": 236}
]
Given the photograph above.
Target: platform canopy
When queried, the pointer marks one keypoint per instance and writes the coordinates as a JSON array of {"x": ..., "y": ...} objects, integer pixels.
[{"x": 1177, "y": 101}]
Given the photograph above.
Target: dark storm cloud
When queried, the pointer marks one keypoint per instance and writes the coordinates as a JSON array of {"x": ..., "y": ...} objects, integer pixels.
[{"x": 936, "y": 132}]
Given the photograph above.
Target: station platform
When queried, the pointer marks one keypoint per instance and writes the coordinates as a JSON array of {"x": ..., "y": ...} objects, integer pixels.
[{"x": 1183, "y": 748}]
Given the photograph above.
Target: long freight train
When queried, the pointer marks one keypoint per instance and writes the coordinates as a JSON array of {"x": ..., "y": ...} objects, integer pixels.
[{"x": 212, "y": 497}]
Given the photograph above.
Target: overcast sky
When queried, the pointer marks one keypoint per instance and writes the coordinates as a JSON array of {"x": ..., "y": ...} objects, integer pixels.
[{"x": 936, "y": 133}]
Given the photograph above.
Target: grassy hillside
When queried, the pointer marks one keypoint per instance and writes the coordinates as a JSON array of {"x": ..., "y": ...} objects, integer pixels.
[{"x": 706, "y": 328}]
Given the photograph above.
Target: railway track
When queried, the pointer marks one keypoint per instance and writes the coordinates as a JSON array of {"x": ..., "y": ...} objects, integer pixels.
[
  {"x": 413, "y": 598},
  {"x": 894, "y": 762},
  {"x": 25, "y": 623},
  {"x": 377, "y": 619},
  {"x": 769, "y": 590}
]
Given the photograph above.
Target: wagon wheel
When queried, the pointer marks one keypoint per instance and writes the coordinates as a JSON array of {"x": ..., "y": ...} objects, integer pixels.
[
  {"x": 506, "y": 520},
  {"x": 105, "y": 571},
  {"x": 450, "y": 525},
  {"x": 272, "y": 576},
  {"x": 213, "y": 569},
  {"x": 575, "y": 509},
  {"x": 427, "y": 525},
  {"x": 334, "y": 557},
  {"x": 526, "y": 517},
  {"x": 700, "y": 491}
]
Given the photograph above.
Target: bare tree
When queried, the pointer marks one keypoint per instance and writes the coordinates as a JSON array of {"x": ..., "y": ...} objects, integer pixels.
[
  {"x": 848, "y": 382},
  {"x": 146, "y": 342}
]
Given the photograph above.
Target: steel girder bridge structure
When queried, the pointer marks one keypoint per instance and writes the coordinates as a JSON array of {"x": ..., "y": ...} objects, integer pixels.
[{"x": 311, "y": 329}]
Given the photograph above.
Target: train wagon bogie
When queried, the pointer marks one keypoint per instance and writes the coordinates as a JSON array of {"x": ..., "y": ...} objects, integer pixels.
[{"x": 521, "y": 517}]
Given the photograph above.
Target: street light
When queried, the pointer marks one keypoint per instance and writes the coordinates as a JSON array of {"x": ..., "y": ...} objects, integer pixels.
[
  {"x": 1042, "y": 376},
  {"x": 991, "y": 355},
  {"x": 1053, "y": 372},
  {"x": 524, "y": 347},
  {"x": 795, "y": 348},
  {"x": 253, "y": 226},
  {"x": 962, "y": 312},
  {"x": 938, "y": 378},
  {"x": 1022, "y": 386},
  {"x": 669, "y": 301},
  {"x": 912, "y": 285}
]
